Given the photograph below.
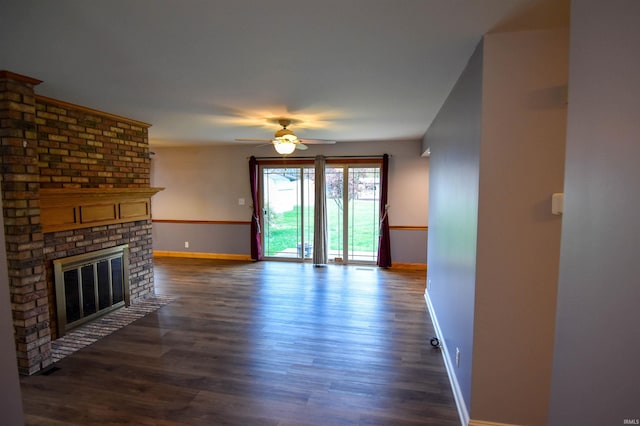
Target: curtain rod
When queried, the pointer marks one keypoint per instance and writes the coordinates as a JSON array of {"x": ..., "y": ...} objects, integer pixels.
[{"x": 326, "y": 156}]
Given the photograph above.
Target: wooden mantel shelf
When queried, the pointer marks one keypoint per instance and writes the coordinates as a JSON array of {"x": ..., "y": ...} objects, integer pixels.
[{"x": 62, "y": 209}]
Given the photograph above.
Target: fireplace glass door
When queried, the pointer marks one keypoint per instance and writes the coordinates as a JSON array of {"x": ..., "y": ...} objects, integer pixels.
[{"x": 90, "y": 285}]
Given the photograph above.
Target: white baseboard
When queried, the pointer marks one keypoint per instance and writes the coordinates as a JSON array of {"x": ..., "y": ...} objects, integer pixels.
[{"x": 453, "y": 380}]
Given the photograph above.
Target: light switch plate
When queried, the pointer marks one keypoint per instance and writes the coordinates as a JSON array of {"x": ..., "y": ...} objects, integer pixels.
[{"x": 557, "y": 203}]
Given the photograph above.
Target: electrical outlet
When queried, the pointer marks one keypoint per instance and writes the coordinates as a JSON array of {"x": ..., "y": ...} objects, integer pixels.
[
  {"x": 457, "y": 357},
  {"x": 186, "y": 244}
]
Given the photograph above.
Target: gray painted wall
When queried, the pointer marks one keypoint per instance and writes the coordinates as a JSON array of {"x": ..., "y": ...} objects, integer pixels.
[
  {"x": 596, "y": 379},
  {"x": 409, "y": 246},
  {"x": 454, "y": 138},
  {"x": 525, "y": 75},
  {"x": 205, "y": 183},
  {"x": 202, "y": 238},
  {"x": 497, "y": 155},
  {"x": 10, "y": 398}
]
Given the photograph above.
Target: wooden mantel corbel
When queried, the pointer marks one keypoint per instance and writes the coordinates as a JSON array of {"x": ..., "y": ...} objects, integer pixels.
[{"x": 63, "y": 209}]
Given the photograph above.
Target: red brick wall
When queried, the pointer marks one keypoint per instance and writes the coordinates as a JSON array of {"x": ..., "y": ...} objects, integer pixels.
[
  {"x": 46, "y": 143},
  {"x": 83, "y": 149},
  {"x": 70, "y": 243},
  {"x": 80, "y": 148},
  {"x": 20, "y": 207}
]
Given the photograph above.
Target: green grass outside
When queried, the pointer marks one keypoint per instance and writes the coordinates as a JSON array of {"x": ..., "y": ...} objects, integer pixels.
[{"x": 281, "y": 229}]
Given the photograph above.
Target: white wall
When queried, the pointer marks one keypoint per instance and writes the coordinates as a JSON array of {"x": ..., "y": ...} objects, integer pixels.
[{"x": 596, "y": 379}]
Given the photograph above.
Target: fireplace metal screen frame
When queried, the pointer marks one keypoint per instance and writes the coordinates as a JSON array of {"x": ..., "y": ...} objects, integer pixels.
[{"x": 62, "y": 265}]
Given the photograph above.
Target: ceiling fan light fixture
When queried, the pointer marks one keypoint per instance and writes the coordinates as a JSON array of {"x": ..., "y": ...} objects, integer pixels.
[
  {"x": 284, "y": 146},
  {"x": 286, "y": 134}
]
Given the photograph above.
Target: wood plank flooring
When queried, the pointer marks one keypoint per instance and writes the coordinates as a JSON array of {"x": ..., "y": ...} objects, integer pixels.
[{"x": 266, "y": 343}]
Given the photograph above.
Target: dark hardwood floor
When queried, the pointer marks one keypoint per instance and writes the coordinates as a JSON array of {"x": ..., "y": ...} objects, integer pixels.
[{"x": 266, "y": 343}]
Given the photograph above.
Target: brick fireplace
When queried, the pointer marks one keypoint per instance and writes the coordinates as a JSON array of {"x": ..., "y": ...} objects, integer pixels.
[{"x": 74, "y": 180}]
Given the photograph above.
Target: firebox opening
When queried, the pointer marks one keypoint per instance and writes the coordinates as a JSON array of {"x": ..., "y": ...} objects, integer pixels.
[{"x": 90, "y": 285}]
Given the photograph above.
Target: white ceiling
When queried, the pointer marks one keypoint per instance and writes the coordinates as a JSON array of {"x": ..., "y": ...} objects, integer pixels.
[{"x": 212, "y": 71}]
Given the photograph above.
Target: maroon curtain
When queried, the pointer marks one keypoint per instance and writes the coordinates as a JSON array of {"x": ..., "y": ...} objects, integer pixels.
[
  {"x": 256, "y": 241},
  {"x": 384, "y": 244}
]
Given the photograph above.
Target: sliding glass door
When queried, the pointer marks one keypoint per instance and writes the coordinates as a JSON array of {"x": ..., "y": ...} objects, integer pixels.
[{"x": 353, "y": 204}]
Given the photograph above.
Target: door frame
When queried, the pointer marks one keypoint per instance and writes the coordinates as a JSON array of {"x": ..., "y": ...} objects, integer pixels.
[{"x": 309, "y": 162}]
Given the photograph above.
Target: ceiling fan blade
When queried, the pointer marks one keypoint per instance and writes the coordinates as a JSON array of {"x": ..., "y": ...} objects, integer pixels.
[
  {"x": 252, "y": 140},
  {"x": 317, "y": 141},
  {"x": 262, "y": 145},
  {"x": 301, "y": 147}
]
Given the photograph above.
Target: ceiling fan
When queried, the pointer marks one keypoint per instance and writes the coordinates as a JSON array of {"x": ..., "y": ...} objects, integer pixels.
[{"x": 285, "y": 141}]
